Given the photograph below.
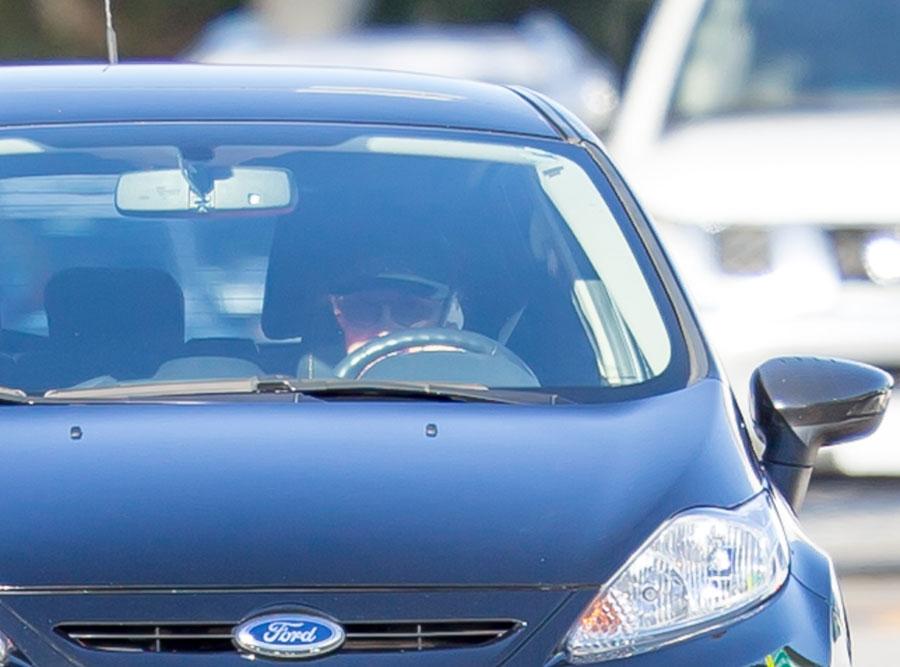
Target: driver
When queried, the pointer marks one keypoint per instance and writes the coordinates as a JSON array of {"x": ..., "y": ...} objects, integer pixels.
[{"x": 386, "y": 297}]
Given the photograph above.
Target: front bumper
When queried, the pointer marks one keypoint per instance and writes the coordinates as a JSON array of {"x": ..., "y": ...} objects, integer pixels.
[
  {"x": 32, "y": 620},
  {"x": 794, "y": 628}
]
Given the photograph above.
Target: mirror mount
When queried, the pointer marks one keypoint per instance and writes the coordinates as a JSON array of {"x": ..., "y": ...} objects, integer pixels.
[{"x": 803, "y": 403}]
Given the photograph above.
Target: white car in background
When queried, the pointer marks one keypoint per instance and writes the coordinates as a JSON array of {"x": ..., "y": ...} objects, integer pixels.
[
  {"x": 540, "y": 51},
  {"x": 763, "y": 136}
]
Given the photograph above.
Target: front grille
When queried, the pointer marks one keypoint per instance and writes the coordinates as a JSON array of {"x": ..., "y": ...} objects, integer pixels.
[
  {"x": 150, "y": 637},
  {"x": 425, "y": 635},
  {"x": 743, "y": 250},
  {"x": 216, "y": 637}
]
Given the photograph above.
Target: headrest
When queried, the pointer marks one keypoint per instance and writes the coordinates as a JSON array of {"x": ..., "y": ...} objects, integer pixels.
[{"x": 91, "y": 306}]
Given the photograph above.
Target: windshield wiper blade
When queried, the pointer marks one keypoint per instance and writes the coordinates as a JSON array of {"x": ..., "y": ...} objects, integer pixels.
[
  {"x": 423, "y": 391},
  {"x": 248, "y": 385},
  {"x": 14, "y": 396},
  {"x": 328, "y": 388}
]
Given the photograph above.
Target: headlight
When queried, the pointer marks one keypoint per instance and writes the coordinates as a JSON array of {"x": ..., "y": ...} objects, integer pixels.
[{"x": 699, "y": 569}]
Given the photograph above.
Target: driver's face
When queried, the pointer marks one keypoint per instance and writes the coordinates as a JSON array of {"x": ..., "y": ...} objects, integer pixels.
[{"x": 372, "y": 313}]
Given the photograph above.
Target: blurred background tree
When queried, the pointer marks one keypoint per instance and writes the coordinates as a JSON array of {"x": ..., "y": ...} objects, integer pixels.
[
  {"x": 74, "y": 29},
  {"x": 32, "y": 30}
]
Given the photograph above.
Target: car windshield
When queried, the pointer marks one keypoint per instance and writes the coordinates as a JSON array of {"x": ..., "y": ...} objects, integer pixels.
[
  {"x": 136, "y": 253},
  {"x": 764, "y": 55}
]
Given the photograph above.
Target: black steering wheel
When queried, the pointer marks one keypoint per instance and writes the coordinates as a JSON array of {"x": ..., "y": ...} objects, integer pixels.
[{"x": 353, "y": 365}]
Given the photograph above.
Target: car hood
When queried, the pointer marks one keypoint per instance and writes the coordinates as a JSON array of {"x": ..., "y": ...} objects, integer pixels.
[
  {"x": 354, "y": 494},
  {"x": 827, "y": 168}
]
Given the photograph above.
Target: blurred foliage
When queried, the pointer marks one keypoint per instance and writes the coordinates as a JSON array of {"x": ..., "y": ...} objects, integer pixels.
[{"x": 74, "y": 29}]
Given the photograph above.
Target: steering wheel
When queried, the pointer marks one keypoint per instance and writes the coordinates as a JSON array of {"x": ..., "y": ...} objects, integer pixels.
[{"x": 357, "y": 361}]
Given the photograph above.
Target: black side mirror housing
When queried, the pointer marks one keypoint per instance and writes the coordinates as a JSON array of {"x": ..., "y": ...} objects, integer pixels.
[{"x": 800, "y": 404}]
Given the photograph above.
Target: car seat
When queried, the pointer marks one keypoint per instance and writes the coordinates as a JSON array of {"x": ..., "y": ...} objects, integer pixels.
[{"x": 106, "y": 321}]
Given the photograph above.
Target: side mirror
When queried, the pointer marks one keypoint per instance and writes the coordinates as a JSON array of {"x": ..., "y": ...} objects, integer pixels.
[{"x": 802, "y": 403}]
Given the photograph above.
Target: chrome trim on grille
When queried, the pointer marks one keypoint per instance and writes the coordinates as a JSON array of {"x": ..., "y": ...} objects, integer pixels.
[{"x": 216, "y": 636}]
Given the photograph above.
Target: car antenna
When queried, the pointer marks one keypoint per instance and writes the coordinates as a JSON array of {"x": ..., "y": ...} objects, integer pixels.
[{"x": 112, "y": 48}]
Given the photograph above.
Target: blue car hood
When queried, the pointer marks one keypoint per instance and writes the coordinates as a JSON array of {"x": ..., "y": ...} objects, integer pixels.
[{"x": 354, "y": 494}]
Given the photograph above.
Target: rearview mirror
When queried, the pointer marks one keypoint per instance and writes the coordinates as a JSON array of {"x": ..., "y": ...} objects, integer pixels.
[
  {"x": 803, "y": 403},
  {"x": 177, "y": 190}
]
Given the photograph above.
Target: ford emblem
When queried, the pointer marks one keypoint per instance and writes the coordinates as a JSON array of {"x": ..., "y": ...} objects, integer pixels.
[{"x": 288, "y": 635}]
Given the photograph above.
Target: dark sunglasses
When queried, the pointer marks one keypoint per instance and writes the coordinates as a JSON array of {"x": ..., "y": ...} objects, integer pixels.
[{"x": 366, "y": 308}]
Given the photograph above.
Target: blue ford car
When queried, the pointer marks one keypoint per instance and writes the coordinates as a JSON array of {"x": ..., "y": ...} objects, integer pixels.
[{"x": 365, "y": 368}]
